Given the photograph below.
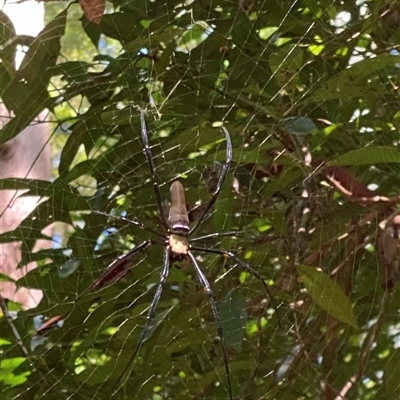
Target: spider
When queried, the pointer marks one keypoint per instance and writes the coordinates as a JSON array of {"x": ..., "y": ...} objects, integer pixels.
[{"x": 178, "y": 245}]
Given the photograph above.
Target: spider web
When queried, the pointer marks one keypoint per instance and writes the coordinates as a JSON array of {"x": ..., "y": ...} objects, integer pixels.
[{"x": 309, "y": 94}]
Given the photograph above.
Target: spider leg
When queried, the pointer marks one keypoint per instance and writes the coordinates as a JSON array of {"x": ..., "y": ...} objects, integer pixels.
[
  {"x": 130, "y": 221},
  {"x": 246, "y": 267},
  {"x": 150, "y": 314},
  {"x": 149, "y": 158},
  {"x": 206, "y": 285},
  {"x": 221, "y": 180},
  {"x": 217, "y": 234}
]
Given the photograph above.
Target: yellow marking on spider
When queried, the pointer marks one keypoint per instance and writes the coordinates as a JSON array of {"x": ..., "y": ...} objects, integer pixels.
[{"x": 179, "y": 245}]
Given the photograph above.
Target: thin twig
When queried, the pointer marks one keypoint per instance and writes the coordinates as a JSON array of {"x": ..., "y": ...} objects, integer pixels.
[
  {"x": 10, "y": 323},
  {"x": 362, "y": 200},
  {"x": 365, "y": 352}
]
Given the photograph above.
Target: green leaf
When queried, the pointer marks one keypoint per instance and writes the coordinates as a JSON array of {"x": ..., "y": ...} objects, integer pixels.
[
  {"x": 27, "y": 95},
  {"x": 81, "y": 135},
  {"x": 123, "y": 27},
  {"x": 327, "y": 294},
  {"x": 299, "y": 126},
  {"x": 36, "y": 187},
  {"x": 8, "y": 375},
  {"x": 5, "y": 278},
  {"x": 92, "y": 30},
  {"x": 7, "y": 30},
  {"x": 368, "y": 156},
  {"x": 8, "y": 49},
  {"x": 5, "y": 78},
  {"x": 391, "y": 376},
  {"x": 285, "y": 65},
  {"x": 43, "y": 52},
  {"x": 352, "y": 82}
]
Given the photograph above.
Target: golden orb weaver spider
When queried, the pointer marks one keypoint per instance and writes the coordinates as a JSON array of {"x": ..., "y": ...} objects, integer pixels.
[{"x": 178, "y": 245}]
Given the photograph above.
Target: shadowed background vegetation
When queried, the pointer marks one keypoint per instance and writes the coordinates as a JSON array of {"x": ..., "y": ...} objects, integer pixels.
[{"x": 309, "y": 92}]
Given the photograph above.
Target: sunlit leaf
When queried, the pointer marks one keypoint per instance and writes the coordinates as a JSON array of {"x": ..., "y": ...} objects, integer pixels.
[
  {"x": 368, "y": 156},
  {"x": 328, "y": 295}
]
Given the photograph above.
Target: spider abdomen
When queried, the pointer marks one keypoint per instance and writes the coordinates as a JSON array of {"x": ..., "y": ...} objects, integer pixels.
[{"x": 178, "y": 218}]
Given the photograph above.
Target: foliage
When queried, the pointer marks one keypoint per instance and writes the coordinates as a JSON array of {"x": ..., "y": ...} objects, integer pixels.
[{"x": 311, "y": 102}]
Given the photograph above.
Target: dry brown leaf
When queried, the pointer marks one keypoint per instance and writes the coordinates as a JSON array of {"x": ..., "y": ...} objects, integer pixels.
[
  {"x": 347, "y": 181},
  {"x": 388, "y": 251},
  {"x": 93, "y": 9}
]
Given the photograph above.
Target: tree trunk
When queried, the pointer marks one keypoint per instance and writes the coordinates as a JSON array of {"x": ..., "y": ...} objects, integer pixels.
[{"x": 25, "y": 156}]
